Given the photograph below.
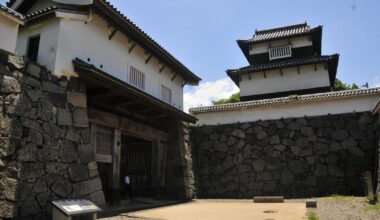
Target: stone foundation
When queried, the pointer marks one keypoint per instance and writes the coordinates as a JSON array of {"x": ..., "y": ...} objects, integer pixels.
[
  {"x": 300, "y": 157},
  {"x": 45, "y": 151}
]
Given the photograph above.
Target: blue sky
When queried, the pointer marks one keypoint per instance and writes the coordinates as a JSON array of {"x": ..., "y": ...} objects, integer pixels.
[{"x": 202, "y": 34}]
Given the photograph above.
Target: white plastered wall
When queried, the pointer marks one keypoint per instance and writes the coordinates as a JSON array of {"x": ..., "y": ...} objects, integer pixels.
[
  {"x": 295, "y": 110},
  {"x": 48, "y": 31},
  {"x": 69, "y": 37},
  {"x": 310, "y": 76},
  {"x": 295, "y": 42},
  {"x": 8, "y": 33}
]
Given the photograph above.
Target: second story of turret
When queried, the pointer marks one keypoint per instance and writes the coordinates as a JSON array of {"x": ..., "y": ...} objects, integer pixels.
[{"x": 271, "y": 45}]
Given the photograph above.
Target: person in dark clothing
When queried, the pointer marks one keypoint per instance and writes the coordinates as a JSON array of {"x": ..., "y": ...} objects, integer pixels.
[{"x": 128, "y": 185}]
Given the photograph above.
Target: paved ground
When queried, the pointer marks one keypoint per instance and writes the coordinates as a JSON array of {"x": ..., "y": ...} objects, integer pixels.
[{"x": 221, "y": 210}]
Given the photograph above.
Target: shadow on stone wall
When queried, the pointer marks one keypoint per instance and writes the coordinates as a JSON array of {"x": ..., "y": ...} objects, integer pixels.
[
  {"x": 296, "y": 158},
  {"x": 45, "y": 143}
]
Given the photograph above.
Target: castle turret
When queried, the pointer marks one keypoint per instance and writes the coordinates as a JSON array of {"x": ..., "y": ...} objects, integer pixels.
[{"x": 284, "y": 61}]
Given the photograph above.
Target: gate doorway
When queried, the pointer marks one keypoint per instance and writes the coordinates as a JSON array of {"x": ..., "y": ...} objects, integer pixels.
[{"x": 136, "y": 161}]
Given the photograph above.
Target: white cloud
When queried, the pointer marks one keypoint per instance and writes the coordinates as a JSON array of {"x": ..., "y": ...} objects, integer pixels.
[
  {"x": 376, "y": 82},
  {"x": 206, "y": 92}
]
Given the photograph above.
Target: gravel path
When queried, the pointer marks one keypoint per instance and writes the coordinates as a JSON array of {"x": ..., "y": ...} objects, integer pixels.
[{"x": 345, "y": 208}]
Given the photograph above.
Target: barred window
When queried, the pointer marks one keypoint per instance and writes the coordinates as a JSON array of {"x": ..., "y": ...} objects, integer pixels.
[
  {"x": 137, "y": 78},
  {"x": 166, "y": 94}
]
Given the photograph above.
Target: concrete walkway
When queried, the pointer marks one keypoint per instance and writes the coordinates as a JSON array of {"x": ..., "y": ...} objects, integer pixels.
[{"x": 221, "y": 210}]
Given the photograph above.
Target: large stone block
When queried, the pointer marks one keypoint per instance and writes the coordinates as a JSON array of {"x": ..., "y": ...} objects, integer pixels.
[
  {"x": 61, "y": 186},
  {"x": 86, "y": 153},
  {"x": 8, "y": 209},
  {"x": 33, "y": 69},
  {"x": 27, "y": 153},
  {"x": 51, "y": 87},
  {"x": 7, "y": 147},
  {"x": 64, "y": 117},
  {"x": 67, "y": 152},
  {"x": 78, "y": 172},
  {"x": 51, "y": 129},
  {"x": 80, "y": 117},
  {"x": 35, "y": 137},
  {"x": 76, "y": 99},
  {"x": 87, "y": 187},
  {"x": 9, "y": 85},
  {"x": 45, "y": 110},
  {"x": 34, "y": 94},
  {"x": 9, "y": 188}
]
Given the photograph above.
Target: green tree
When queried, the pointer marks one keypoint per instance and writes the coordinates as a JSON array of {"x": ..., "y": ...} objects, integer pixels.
[
  {"x": 232, "y": 99},
  {"x": 340, "y": 86}
]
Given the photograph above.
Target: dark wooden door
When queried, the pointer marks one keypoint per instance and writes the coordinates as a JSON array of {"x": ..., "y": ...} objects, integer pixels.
[{"x": 138, "y": 166}]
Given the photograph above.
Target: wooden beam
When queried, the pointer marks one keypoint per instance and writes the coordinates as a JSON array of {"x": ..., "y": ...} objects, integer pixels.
[
  {"x": 162, "y": 68},
  {"x": 112, "y": 34},
  {"x": 116, "y": 166},
  {"x": 126, "y": 125},
  {"x": 97, "y": 91},
  {"x": 158, "y": 116},
  {"x": 175, "y": 75},
  {"x": 131, "y": 45},
  {"x": 148, "y": 57}
]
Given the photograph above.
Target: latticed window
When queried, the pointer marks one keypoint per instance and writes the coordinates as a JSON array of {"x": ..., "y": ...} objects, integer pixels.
[
  {"x": 280, "y": 52},
  {"x": 137, "y": 78},
  {"x": 166, "y": 94}
]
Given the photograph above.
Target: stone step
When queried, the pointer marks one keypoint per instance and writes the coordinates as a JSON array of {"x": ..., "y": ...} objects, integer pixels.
[{"x": 268, "y": 199}]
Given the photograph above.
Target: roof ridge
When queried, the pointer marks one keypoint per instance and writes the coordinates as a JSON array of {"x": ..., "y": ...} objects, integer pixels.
[
  {"x": 264, "y": 31},
  {"x": 285, "y": 100}
]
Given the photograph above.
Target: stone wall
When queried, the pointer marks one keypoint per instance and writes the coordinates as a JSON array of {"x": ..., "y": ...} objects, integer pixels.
[
  {"x": 45, "y": 151},
  {"x": 300, "y": 157},
  {"x": 179, "y": 183}
]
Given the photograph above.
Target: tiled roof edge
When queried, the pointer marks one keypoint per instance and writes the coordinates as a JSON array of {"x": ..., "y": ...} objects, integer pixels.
[
  {"x": 283, "y": 64},
  {"x": 285, "y": 100},
  {"x": 264, "y": 31},
  {"x": 13, "y": 13}
]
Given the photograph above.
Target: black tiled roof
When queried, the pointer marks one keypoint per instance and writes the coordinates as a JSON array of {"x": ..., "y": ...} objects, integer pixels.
[
  {"x": 282, "y": 32},
  {"x": 283, "y": 64},
  {"x": 113, "y": 15},
  {"x": 285, "y": 100},
  {"x": 96, "y": 73},
  {"x": 11, "y": 12},
  {"x": 332, "y": 61}
]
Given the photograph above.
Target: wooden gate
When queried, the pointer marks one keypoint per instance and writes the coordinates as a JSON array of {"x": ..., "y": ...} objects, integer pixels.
[{"x": 138, "y": 166}]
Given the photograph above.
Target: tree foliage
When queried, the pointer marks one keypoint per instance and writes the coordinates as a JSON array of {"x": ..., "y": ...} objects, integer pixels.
[
  {"x": 232, "y": 99},
  {"x": 340, "y": 86}
]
